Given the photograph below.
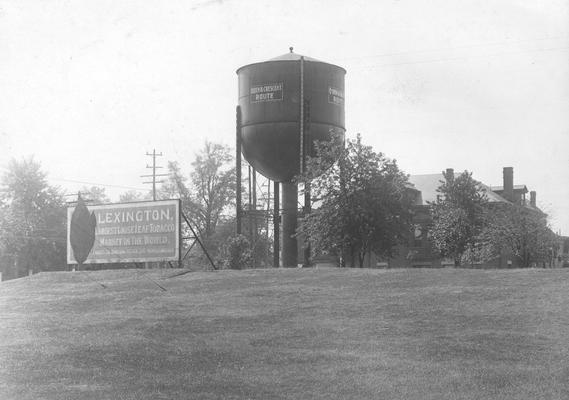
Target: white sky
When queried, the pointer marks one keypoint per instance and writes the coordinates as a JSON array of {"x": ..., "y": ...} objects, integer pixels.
[{"x": 88, "y": 87}]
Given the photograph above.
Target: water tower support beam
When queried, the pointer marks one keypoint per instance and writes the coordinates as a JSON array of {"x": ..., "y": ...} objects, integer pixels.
[
  {"x": 290, "y": 217},
  {"x": 238, "y": 170},
  {"x": 305, "y": 153},
  {"x": 276, "y": 225},
  {"x": 307, "y": 210},
  {"x": 249, "y": 207},
  {"x": 254, "y": 216}
]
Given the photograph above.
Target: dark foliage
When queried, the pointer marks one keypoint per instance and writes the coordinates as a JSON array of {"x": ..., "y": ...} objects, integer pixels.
[
  {"x": 458, "y": 215},
  {"x": 32, "y": 220},
  {"x": 362, "y": 201},
  {"x": 520, "y": 231},
  {"x": 237, "y": 253}
]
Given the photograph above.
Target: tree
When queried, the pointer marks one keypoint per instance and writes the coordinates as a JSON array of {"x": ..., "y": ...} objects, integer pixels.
[
  {"x": 177, "y": 184},
  {"x": 520, "y": 231},
  {"x": 95, "y": 195},
  {"x": 362, "y": 203},
  {"x": 211, "y": 189},
  {"x": 207, "y": 194},
  {"x": 213, "y": 180},
  {"x": 32, "y": 219},
  {"x": 236, "y": 253},
  {"x": 458, "y": 215},
  {"x": 134, "y": 195}
]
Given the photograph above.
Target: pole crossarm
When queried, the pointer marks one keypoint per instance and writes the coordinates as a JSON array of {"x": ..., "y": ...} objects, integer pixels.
[{"x": 154, "y": 167}]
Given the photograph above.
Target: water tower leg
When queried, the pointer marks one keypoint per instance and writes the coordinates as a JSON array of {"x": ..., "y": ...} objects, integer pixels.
[
  {"x": 276, "y": 226},
  {"x": 307, "y": 210},
  {"x": 290, "y": 217},
  {"x": 238, "y": 170}
]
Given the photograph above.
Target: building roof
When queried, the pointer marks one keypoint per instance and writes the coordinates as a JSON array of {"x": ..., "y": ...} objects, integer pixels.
[
  {"x": 427, "y": 184},
  {"x": 516, "y": 187}
]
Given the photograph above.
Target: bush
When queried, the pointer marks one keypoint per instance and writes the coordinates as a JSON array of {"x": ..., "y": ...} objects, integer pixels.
[
  {"x": 237, "y": 253},
  {"x": 261, "y": 252}
]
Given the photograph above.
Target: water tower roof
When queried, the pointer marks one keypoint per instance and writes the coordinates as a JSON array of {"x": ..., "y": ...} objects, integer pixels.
[{"x": 290, "y": 56}]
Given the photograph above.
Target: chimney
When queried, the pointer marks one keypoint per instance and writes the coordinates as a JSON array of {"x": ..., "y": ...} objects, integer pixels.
[
  {"x": 508, "y": 192},
  {"x": 532, "y": 196},
  {"x": 449, "y": 174}
]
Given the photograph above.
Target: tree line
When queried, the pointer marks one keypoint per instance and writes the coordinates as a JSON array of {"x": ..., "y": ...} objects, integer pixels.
[
  {"x": 469, "y": 229},
  {"x": 365, "y": 204},
  {"x": 362, "y": 204},
  {"x": 33, "y": 216}
]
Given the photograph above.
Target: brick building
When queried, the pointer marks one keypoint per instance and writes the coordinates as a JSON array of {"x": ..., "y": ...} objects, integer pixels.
[{"x": 420, "y": 252}]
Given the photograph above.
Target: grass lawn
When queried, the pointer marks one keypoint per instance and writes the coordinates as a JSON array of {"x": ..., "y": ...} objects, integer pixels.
[{"x": 286, "y": 334}]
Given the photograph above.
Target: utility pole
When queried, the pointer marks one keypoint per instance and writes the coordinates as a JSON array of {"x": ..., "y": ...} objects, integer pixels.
[
  {"x": 154, "y": 174},
  {"x": 153, "y": 182}
]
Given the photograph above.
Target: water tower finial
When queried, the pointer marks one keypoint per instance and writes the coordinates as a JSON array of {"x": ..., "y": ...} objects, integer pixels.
[{"x": 290, "y": 48}]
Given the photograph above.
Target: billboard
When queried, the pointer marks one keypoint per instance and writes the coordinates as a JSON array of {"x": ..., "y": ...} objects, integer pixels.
[{"x": 132, "y": 232}]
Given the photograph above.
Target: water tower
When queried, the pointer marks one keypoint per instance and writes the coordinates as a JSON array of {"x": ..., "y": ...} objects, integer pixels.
[{"x": 285, "y": 104}]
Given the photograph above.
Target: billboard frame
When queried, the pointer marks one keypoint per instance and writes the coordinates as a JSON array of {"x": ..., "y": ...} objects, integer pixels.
[{"x": 177, "y": 257}]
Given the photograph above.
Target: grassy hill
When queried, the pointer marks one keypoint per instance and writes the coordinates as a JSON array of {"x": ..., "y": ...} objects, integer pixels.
[{"x": 286, "y": 334}]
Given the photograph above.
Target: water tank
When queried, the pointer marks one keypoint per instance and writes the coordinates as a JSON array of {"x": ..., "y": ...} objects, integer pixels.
[{"x": 270, "y": 100}]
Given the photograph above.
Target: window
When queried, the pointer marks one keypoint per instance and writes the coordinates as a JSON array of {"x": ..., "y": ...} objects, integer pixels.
[{"x": 418, "y": 236}]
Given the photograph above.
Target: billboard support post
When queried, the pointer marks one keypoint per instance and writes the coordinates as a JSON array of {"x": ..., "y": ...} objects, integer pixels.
[{"x": 198, "y": 240}]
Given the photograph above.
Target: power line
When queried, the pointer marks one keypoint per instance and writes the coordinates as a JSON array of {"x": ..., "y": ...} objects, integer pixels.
[
  {"x": 97, "y": 184},
  {"x": 446, "y": 49},
  {"x": 461, "y": 58}
]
